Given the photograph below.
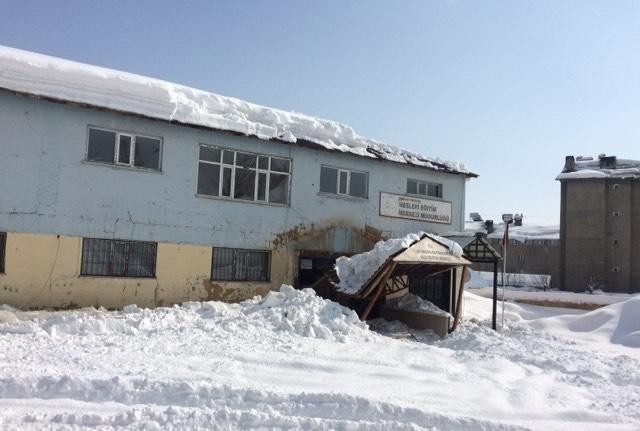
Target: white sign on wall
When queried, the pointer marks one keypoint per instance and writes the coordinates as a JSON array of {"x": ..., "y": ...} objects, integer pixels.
[{"x": 413, "y": 208}]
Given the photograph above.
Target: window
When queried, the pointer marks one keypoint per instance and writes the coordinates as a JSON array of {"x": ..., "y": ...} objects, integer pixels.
[
  {"x": 415, "y": 187},
  {"x": 234, "y": 264},
  {"x": 3, "y": 246},
  {"x": 123, "y": 149},
  {"x": 243, "y": 176},
  {"x": 118, "y": 258},
  {"x": 520, "y": 258},
  {"x": 344, "y": 182}
]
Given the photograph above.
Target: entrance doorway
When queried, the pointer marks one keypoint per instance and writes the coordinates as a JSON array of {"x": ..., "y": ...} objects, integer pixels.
[{"x": 312, "y": 265}]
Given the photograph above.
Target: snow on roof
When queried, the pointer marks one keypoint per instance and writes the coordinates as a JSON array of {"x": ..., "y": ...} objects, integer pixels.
[
  {"x": 41, "y": 75},
  {"x": 355, "y": 271},
  {"x": 524, "y": 233},
  {"x": 589, "y": 167}
]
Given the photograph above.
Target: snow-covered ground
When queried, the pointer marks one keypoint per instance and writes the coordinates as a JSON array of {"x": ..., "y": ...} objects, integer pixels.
[
  {"x": 554, "y": 296},
  {"x": 529, "y": 288},
  {"x": 294, "y": 361}
]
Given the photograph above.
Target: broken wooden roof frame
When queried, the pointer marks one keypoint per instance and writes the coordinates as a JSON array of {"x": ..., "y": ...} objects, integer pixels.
[{"x": 407, "y": 262}]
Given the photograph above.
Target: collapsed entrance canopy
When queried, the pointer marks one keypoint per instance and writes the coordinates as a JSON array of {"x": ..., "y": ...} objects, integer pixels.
[
  {"x": 421, "y": 254},
  {"x": 394, "y": 265}
]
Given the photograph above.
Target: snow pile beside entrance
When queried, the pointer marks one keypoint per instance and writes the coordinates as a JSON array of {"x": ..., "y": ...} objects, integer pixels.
[
  {"x": 355, "y": 271},
  {"x": 46, "y": 76},
  {"x": 303, "y": 313},
  {"x": 289, "y": 311},
  {"x": 415, "y": 303}
]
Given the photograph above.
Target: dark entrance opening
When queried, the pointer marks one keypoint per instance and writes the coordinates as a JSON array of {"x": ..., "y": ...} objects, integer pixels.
[
  {"x": 435, "y": 289},
  {"x": 312, "y": 265}
]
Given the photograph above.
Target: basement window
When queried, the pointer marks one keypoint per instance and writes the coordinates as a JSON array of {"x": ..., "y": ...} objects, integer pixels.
[
  {"x": 423, "y": 188},
  {"x": 123, "y": 149},
  {"x": 235, "y": 264},
  {"x": 243, "y": 176},
  {"x": 118, "y": 258},
  {"x": 3, "y": 246},
  {"x": 344, "y": 182}
]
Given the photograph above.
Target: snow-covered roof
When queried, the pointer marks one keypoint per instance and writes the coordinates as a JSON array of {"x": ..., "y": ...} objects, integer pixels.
[
  {"x": 600, "y": 167},
  {"x": 55, "y": 78},
  {"x": 524, "y": 233},
  {"x": 356, "y": 271}
]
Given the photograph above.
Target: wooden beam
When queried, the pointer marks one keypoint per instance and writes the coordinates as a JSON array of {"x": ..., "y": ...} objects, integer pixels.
[
  {"x": 374, "y": 282},
  {"x": 378, "y": 291},
  {"x": 456, "y": 319}
]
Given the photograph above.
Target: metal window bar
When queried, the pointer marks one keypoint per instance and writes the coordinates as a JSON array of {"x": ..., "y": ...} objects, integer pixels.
[
  {"x": 3, "y": 246},
  {"x": 118, "y": 258},
  {"x": 231, "y": 264}
]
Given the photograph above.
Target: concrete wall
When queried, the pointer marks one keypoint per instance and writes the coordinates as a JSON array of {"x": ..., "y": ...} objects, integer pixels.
[
  {"x": 49, "y": 189},
  {"x": 528, "y": 258},
  {"x": 44, "y": 271},
  {"x": 583, "y": 235},
  {"x": 634, "y": 257},
  {"x": 599, "y": 235}
]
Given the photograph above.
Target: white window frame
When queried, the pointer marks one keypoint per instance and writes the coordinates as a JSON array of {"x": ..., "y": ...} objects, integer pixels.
[
  {"x": 258, "y": 171},
  {"x": 347, "y": 186},
  {"x": 116, "y": 152},
  {"x": 348, "y": 194},
  {"x": 131, "y": 151}
]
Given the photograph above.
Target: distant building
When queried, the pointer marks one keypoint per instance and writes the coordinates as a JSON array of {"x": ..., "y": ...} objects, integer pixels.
[
  {"x": 531, "y": 250},
  {"x": 600, "y": 224}
]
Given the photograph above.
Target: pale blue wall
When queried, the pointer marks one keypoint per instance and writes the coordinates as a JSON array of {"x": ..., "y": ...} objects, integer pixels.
[{"x": 47, "y": 187}]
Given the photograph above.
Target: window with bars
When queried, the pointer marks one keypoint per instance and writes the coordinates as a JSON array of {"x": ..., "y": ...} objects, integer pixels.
[
  {"x": 243, "y": 176},
  {"x": 123, "y": 149},
  {"x": 235, "y": 264},
  {"x": 118, "y": 258},
  {"x": 3, "y": 246},
  {"x": 344, "y": 182},
  {"x": 415, "y": 187}
]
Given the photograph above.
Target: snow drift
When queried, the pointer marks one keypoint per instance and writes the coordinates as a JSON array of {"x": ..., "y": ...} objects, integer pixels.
[
  {"x": 253, "y": 365},
  {"x": 289, "y": 312},
  {"x": 413, "y": 302},
  {"x": 617, "y": 323}
]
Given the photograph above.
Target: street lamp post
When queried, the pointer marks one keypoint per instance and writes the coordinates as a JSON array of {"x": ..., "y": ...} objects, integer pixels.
[{"x": 507, "y": 219}]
